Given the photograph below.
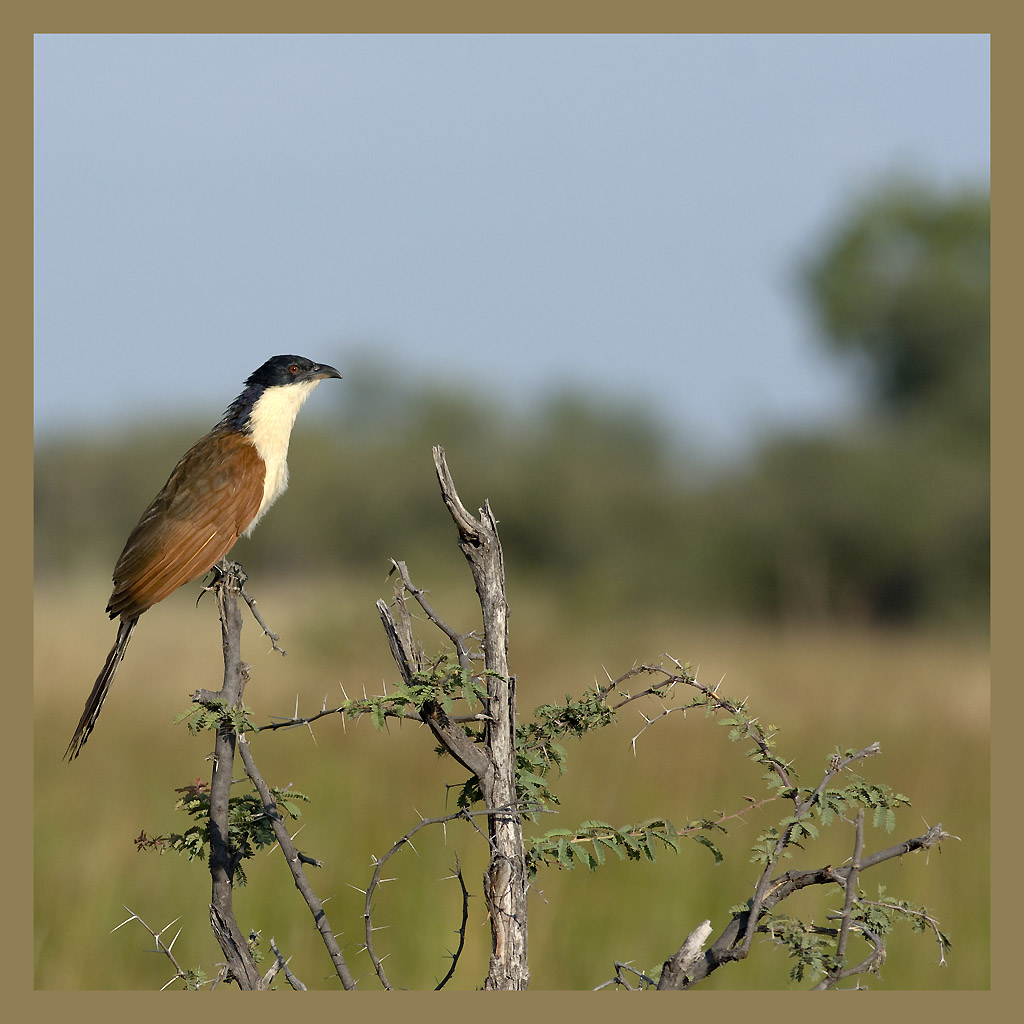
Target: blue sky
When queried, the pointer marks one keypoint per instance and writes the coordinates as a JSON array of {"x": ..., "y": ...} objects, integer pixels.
[{"x": 622, "y": 214}]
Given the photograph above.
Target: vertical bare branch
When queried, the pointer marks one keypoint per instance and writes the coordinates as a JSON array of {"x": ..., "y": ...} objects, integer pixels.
[
  {"x": 505, "y": 883},
  {"x": 223, "y": 860}
]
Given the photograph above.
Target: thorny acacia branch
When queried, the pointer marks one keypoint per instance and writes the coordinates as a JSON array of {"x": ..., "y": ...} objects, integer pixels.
[
  {"x": 779, "y": 888},
  {"x": 295, "y": 861},
  {"x": 223, "y": 860},
  {"x": 489, "y": 756},
  {"x": 688, "y": 966},
  {"x": 166, "y": 948}
]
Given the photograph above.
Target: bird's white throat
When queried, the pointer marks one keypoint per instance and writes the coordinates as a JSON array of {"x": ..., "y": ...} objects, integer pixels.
[{"x": 270, "y": 429}]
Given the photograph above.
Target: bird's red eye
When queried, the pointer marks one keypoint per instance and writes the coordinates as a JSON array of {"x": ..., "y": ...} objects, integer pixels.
[{"x": 294, "y": 368}]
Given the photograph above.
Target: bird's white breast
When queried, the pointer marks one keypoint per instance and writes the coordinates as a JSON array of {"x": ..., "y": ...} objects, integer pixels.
[{"x": 270, "y": 429}]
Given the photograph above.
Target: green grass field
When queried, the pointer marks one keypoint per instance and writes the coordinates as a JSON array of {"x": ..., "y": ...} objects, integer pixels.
[{"x": 923, "y": 696}]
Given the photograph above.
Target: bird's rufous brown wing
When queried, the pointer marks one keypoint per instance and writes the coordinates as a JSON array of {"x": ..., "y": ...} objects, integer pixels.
[{"x": 212, "y": 495}]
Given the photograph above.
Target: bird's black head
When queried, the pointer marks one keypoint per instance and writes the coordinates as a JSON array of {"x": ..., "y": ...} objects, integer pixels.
[{"x": 280, "y": 370}]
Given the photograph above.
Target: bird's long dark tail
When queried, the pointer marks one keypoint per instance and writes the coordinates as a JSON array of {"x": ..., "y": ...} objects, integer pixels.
[{"x": 99, "y": 690}]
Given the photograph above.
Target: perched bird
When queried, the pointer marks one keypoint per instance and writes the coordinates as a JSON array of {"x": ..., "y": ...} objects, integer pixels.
[{"x": 218, "y": 491}]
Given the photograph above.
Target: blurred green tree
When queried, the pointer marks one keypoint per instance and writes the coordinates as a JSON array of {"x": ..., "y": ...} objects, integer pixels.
[
  {"x": 904, "y": 284},
  {"x": 887, "y": 519}
]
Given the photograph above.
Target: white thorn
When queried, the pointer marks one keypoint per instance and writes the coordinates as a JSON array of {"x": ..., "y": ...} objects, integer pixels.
[{"x": 124, "y": 922}]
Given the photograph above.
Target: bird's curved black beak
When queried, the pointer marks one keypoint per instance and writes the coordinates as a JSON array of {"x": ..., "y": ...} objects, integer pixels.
[{"x": 322, "y": 371}]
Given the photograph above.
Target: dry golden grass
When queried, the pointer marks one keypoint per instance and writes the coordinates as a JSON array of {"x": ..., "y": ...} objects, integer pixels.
[{"x": 924, "y": 697}]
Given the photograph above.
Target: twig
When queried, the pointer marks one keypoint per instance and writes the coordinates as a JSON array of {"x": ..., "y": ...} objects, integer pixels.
[
  {"x": 251, "y": 602},
  {"x": 457, "y": 639},
  {"x": 234, "y": 569},
  {"x": 376, "y": 880},
  {"x": 295, "y": 861},
  {"x": 869, "y": 964},
  {"x": 928, "y": 919},
  {"x": 162, "y": 947},
  {"x": 462, "y": 928},
  {"x": 933, "y": 837},
  {"x": 347, "y": 709},
  {"x": 280, "y": 964},
  {"x": 620, "y": 979}
]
